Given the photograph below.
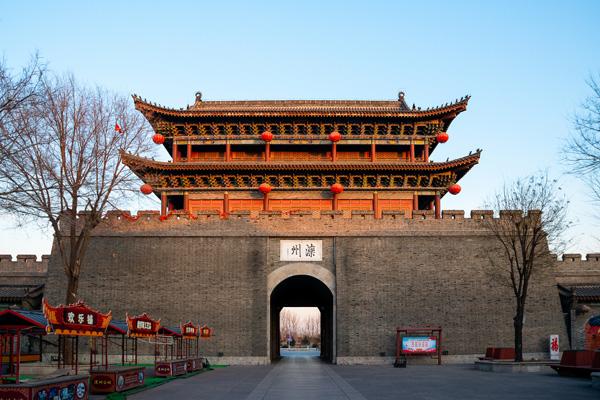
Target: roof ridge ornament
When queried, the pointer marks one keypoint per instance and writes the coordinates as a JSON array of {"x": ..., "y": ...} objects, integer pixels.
[{"x": 198, "y": 97}]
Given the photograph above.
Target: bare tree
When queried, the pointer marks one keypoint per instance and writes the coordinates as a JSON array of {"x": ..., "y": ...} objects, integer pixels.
[
  {"x": 288, "y": 323},
  {"x": 533, "y": 220},
  {"x": 583, "y": 146},
  {"x": 60, "y": 155},
  {"x": 16, "y": 91},
  {"x": 312, "y": 325}
]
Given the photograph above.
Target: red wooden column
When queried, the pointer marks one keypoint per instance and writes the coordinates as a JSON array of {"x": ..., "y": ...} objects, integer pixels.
[
  {"x": 163, "y": 204},
  {"x": 412, "y": 150},
  {"x": 189, "y": 151},
  {"x": 415, "y": 201},
  {"x": 438, "y": 211},
  {"x": 336, "y": 189},
  {"x": 376, "y": 209},
  {"x": 426, "y": 152},
  {"x": 267, "y": 136},
  {"x": 174, "y": 155},
  {"x": 265, "y": 188},
  {"x": 373, "y": 151},
  {"x": 225, "y": 204},
  {"x": 186, "y": 202},
  {"x": 334, "y": 137},
  {"x": 227, "y": 151}
]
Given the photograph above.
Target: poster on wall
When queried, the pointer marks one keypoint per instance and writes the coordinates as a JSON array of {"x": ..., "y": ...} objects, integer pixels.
[
  {"x": 419, "y": 344},
  {"x": 554, "y": 347}
]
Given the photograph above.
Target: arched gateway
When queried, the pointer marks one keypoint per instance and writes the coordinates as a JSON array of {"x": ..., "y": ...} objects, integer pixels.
[{"x": 302, "y": 285}]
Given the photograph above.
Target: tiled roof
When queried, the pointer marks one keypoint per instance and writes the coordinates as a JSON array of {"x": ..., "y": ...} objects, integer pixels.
[
  {"x": 18, "y": 291},
  {"x": 119, "y": 327},
  {"x": 137, "y": 163},
  {"x": 262, "y": 108},
  {"x": 586, "y": 291},
  {"x": 23, "y": 318}
]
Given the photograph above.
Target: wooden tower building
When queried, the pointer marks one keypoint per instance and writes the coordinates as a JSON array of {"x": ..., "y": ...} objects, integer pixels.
[{"x": 295, "y": 155}]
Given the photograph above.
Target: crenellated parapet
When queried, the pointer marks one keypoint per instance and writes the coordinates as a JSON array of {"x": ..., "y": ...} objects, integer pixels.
[
  {"x": 24, "y": 263},
  {"x": 573, "y": 269},
  {"x": 296, "y": 223}
]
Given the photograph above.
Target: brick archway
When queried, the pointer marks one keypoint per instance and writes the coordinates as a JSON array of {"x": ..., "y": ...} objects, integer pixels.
[{"x": 302, "y": 285}]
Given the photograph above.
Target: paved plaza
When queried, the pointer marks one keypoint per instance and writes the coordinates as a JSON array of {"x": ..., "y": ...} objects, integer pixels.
[{"x": 309, "y": 378}]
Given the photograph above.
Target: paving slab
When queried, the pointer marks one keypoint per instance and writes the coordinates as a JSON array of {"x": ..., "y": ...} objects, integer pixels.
[{"x": 308, "y": 378}]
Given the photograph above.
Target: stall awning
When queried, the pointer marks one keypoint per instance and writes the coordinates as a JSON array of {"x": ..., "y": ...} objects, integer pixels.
[{"x": 11, "y": 320}]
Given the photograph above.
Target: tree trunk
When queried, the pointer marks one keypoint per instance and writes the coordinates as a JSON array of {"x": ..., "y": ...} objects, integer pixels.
[
  {"x": 518, "y": 323},
  {"x": 72, "y": 288}
]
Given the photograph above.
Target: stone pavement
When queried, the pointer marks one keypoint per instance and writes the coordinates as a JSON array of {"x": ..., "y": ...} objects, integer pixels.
[{"x": 309, "y": 378}]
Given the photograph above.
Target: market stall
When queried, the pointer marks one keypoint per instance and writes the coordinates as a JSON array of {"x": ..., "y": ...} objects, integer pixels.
[
  {"x": 191, "y": 350},
  {"x": 14, "y": 325},
  {"x": 107, "y": 378},
  {"x": 169, "y": 353}
]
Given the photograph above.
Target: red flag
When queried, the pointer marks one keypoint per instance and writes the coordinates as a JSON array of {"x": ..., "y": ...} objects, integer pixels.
[{"x": 118, "y": 128}]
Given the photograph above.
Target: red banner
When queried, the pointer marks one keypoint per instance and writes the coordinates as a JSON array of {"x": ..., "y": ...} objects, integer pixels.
[
  {"x": 142, "y": 326},
  {"x": 75, "y": 319},
  {"x": 189, "y": 330},
  {"x": 206, "y": 332}
]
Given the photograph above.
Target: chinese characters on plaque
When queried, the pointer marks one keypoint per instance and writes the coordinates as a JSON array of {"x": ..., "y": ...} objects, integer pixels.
[
  {"x": 301, "y": 250},
  {"x": 79, "y": 318}
]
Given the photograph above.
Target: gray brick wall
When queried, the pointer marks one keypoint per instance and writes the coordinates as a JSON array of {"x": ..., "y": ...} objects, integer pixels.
[{"x": 389, "y": 272}]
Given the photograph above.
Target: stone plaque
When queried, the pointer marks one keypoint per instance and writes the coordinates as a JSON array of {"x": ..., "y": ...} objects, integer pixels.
[{"x": 301, "y": 250}]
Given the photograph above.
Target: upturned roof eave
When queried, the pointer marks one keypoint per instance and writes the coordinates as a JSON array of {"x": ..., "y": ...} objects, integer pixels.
[
  {"x": 137, "y": 163},
  {"x": 326, "y": 109}
]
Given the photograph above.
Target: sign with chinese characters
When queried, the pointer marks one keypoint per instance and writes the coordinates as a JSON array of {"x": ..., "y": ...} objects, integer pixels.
[
  {"x": 206, "y": 332},
  {"x": 419, "y": 345},
  {"x": 554, "y": 347},
  {"x": 189, "y": 330},
  {"x": 301, "y": 250},
  {"x": 75, "y": 319},
  {"x": 142, "y": 326}
]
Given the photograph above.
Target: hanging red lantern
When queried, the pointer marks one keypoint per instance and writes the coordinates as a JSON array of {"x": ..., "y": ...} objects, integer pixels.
[
  {"x": 146, "y": 189},
  {"x": 266, "y": 136},
  {"x": 336, "y": 188},
  {"x": 442, "y": 137},
  {"x": 264, "y": 188},
  {"x": 158, "y": 138},
  {"x": 335, "y": 136},
  {"x": 454, "y": 189}
]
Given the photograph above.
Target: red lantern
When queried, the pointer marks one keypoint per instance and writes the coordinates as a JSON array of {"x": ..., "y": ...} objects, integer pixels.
[
  {"x": 454, "y": 189},
  {"x": 336, "y": 188},
  {"x": 266, "y": 136},
  {"x": 146, "y": 189},
  {"x": 335, "y": 136},
  {"x": 158, "y": 138},
  {"x": 264, "y": 188},
  {"x": 442, "y": 137}
]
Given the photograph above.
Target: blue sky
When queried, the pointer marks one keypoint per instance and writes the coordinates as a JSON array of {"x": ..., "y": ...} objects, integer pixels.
[{"x": 524, "y": 63}]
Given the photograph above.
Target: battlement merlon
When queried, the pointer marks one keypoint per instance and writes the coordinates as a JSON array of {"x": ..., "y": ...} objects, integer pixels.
[
  {"x": 295, "y": 223},
  {"x": 24, "y": 263}
]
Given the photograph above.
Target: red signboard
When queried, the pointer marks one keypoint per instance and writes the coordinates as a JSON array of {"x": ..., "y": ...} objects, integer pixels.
[
  {"x": 419, "y": 345},
  {"x": 142, "y": 326},
  {"x": 190, "y": 331},
  {"x": 206, "y": 332},
  {"x": 75, "y": 319}
]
